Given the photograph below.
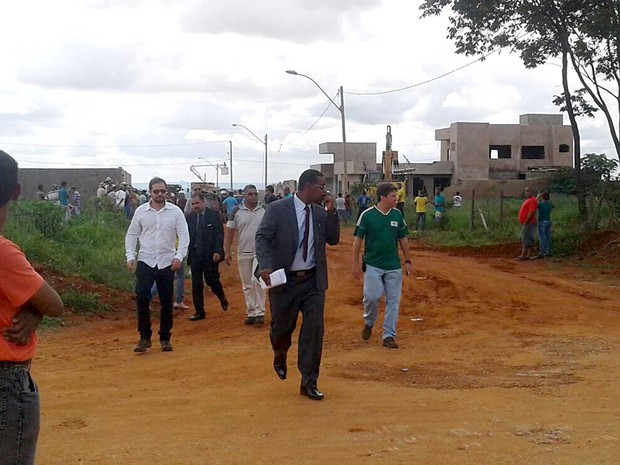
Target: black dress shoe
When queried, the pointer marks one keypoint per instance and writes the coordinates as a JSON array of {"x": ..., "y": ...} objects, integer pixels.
[
  {"x": 224, "y": 304},
  {"x": 279, "y": 365},
  {"x": 311, "y": 392},
  {"x": 197, "y": 317}
]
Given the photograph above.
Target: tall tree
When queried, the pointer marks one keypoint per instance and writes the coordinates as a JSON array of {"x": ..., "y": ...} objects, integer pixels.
[{"x": 583, "y": 33}]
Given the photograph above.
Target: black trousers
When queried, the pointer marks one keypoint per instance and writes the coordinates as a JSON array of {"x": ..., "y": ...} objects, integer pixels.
[
  {"x": 164, "y": 278},
  {"x": 286, "y": 301},
  {"x": 211, "y": 274}
]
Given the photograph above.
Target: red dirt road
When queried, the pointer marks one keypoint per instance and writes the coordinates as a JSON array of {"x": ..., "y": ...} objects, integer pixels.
[{"x": 500, "y": 363}]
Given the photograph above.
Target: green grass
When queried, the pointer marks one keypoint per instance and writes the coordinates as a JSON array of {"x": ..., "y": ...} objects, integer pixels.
[
  {"x": 90, "y": 246},
  {"x": 84, "y": 304}
]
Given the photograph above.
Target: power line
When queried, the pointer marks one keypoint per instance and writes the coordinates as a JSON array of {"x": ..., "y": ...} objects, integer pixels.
[
  {"x": 428, "y": 80},
  {"x": 310, "y": 128}
]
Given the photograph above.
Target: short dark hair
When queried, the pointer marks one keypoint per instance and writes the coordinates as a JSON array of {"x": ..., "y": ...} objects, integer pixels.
[
  {"x": 309, "y": 177},
  {"x": 545, "y": 195},
  {"x": 63, "y": 183},
  {"x": 156, "y": 180},
  {"x": 269, "y": 188},
  {"x": 40, "y": 187},
  {"x": 198, "y": 195},
  {"x": 384, "y": 189},
  {"x": 8, "y": 178},
  {"x": 249, "y": 186}
]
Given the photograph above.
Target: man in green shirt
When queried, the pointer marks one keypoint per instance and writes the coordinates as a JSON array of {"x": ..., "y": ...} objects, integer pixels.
[{"x": 382, "y": 228}]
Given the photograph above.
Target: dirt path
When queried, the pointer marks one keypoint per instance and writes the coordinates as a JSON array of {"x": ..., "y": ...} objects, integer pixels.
[{"x": 500, "y": 363}]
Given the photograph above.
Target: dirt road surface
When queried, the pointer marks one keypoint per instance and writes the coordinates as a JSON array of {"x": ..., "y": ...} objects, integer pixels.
[{"x": 501, "y": 362}]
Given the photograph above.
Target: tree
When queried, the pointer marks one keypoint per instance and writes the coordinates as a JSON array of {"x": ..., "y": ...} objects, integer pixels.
[{"x": 584, "y": 33}]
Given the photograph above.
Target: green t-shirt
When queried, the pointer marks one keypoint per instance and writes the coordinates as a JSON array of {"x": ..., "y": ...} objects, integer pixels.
[
  {"x": 544, "y": 211},
  {"x": 381, "y": 232}
]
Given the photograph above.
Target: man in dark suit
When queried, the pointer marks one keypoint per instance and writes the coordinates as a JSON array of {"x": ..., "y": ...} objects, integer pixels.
[
  {"x": 292, "y": 236},
  {"x": 206, "y": 251}
]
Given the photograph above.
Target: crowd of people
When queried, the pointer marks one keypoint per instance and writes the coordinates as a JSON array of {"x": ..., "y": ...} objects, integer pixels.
[{"x": 285, "y": 236}]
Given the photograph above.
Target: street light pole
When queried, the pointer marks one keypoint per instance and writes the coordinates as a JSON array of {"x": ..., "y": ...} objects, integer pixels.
[
  {"x": 231, "y": 173},
  {"x": 345, "y": 180},
  {"x": 261, "y": 141}
]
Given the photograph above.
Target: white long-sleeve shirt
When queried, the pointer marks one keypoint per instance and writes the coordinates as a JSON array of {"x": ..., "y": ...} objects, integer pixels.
[{"x": 157, "y": 231}]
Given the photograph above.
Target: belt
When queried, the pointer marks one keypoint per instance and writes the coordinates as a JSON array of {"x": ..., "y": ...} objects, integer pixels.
[
  {"x": 302, "y": 273},
  {"x": 10, "y": 365}
]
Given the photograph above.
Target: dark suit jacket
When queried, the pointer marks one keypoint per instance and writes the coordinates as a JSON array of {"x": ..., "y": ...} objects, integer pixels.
[
  {"x": 278, "y": 235},
  {"x": 212, "y": 240}
]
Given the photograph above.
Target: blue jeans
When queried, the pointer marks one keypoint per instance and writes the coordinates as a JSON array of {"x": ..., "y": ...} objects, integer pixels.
[
  {"x": 376, "y": 283},
  {"x": 19, "y": 415},
  {"x": 544, "y": 236},
  {"x": 420, "y": 221}
]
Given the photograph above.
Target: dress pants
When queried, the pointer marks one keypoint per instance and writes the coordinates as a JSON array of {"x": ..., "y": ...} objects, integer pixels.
[
  {"x": 211, "y": 274},
  {"x": 253, "y": 293},
  {"x": 299, "y": 294},
  {"x": 164, "y": 279}
]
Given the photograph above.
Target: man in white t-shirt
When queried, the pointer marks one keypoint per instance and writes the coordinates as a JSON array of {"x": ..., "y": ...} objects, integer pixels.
[
  {"x": 246, "y": 218},
  {"x": 457, "y": 200},
  {"x": 341, "y": 207}
]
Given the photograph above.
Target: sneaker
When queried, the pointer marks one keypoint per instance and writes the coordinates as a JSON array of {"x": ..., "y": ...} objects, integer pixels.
[
  {"x": 180, "y": 305},
  {"x": 390, "y": 343},
  {"x": 142, "y": 345},
  {"x": 260, "y": 320},
  {"x": 366, "y": 332},
  {"x": 250, "y": 320},
  {"x": 166, "y": 346}
]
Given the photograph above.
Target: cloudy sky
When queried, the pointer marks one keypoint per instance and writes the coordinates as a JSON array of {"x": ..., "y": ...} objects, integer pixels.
[{"x": 154, "y": 85}]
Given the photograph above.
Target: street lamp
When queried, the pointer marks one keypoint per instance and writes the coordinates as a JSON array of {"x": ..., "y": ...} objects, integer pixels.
[
  {"x": 261, "y": 141},
  {"x": 340, "y": 108}
]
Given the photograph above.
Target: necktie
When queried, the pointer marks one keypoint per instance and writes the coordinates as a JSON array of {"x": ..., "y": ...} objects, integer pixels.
[
  {"x": 306, "y": 232},
  {"x": 198, "y": 228}
]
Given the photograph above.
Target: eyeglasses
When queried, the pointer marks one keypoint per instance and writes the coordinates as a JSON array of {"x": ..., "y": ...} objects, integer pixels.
[
  {"x": 252, "y": 193},
  {"x": 159, "y": 191}
]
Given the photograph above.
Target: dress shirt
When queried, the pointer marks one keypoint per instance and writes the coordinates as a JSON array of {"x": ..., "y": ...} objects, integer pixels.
[
  {"x": 300, "y": 213},
  {"x": 157, "y": 231}
]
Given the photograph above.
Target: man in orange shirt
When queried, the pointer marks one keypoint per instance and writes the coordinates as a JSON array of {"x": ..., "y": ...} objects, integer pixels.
[
  {"x": 527, "y": 218},
  {"x": 24, "y": 298}
]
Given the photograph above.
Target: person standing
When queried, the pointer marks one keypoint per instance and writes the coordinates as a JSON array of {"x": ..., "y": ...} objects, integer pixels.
[
  {"x": 157, "y": 225},
  {"x": 382, "y": 229},
  {"x": 457, "y": 200},
  {"x": 287, "y": 192},
  {"x": 527, "y": 218},
  {"x": 76, "y": 202},
  {"x": 292, "y": 237},
  {"x": 544, "y": 225},
  {"x": 40, "y": 195},
  {"x": 120, "y": 197},
  {"x": 341, "y": 208},
  {"x": 269, "y": 195},
  {"x": 63, "y": 199},
  {"x": 401, "y": 194},
  {"x": 246, "y": 218},
  {"x": 206, "y": 251},
  {"x": 420, "y": 210},
  {"x": 363, "y": 202},
  {"x": 24, "y": 298},
  {"x": 439, "y": 202},
  {"x": 230, "y": 202}
]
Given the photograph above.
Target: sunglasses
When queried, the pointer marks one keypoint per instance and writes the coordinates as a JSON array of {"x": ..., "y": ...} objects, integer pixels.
[
  {"x": 159, "y": 191},
  {"x": 252, "y": 193}
]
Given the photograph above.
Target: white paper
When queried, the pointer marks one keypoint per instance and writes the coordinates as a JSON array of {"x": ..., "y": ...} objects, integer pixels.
[{"x": 277, "y": 278}]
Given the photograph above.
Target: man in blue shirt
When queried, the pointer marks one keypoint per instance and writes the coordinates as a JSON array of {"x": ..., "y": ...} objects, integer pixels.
[
  {"x": 440, "y": 204},
  {"x": 363, "y": 201},
  {"x": 231, "y": 203},
  {"x": 63, "y": 199}
]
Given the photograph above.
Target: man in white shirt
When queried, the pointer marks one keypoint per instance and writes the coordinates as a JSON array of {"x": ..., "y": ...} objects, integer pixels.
[
  {"x": 157, "y": 225},
  {"x": 246, "y": 218}
]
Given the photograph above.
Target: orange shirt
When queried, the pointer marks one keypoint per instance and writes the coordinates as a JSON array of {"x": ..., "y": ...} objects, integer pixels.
[
  {"x": 529, "y": 205},
  {"x": 18, "y": 283}
]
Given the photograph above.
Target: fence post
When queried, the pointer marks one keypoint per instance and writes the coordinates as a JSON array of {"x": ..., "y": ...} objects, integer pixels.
[
  {"x": 473, "y": 210},
  {"x": 501, "y": 207}
]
